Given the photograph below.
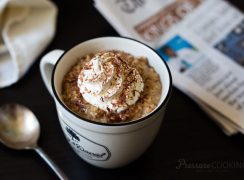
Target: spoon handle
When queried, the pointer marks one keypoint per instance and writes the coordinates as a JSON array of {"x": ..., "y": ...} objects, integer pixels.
[{"x": 51, "y": 164}]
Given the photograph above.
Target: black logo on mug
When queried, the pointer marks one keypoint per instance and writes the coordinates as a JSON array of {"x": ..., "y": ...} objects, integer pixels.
[{"x": 86, "y": 147}]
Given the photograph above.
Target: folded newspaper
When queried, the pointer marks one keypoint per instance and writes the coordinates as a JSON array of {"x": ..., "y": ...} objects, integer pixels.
[{"x": 203, "y": 43}]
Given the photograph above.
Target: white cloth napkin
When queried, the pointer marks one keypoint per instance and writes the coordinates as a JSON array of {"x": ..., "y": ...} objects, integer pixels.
[{"x": 26, "y": 27}]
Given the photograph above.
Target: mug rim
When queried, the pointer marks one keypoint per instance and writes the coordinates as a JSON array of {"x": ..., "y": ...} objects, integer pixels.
[{"x": 163, "y": 103}]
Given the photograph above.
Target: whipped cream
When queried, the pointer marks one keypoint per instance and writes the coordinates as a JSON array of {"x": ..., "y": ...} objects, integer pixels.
[{"x": 109, "y": 83}]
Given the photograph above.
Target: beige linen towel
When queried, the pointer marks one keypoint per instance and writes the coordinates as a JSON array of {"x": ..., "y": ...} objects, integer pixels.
[{"x": 27, "y": 27}]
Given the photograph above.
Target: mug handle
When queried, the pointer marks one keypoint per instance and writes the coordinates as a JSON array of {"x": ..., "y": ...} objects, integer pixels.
[{"x": 46, "y": 67}]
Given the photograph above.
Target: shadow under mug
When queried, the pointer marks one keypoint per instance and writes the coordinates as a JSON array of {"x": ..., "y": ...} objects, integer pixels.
[{"x": 105, "y": 145}]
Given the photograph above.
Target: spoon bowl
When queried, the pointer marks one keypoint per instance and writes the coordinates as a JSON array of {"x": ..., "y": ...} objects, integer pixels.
[{"x": 20, "y": 129}]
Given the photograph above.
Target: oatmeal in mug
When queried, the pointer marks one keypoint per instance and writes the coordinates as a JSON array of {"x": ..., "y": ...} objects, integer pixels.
[
  {"x": 110, "y": 104},
  {"x": 111, "y": 87}
]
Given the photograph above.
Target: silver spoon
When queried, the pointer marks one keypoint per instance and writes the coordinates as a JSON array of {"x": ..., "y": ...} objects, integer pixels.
[{"x": 20, "y": 129}]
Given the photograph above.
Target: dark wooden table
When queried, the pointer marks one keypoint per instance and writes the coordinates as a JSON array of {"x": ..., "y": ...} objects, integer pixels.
[{"x": 186, "y": 134}]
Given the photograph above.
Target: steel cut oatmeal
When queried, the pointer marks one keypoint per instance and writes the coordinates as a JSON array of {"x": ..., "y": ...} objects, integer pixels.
[{"x": 111, "y": 87}]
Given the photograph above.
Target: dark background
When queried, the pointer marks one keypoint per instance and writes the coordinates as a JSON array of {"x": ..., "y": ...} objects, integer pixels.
[{"x": 187, "y": 132}]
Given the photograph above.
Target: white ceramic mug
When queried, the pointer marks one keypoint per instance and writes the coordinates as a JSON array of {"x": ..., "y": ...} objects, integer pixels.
[{"x": 105, "y": 145}]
